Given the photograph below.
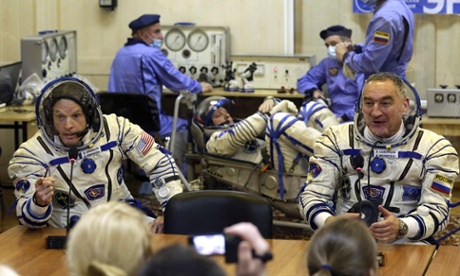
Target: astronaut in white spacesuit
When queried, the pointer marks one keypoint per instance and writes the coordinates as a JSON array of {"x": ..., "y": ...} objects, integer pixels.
[
  {"x": 383, "y": 167},
  {"x": 69, "y": 118}
]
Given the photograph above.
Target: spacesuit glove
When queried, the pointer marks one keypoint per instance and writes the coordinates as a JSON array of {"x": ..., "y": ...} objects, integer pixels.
[{"x": 285, "y": 106}]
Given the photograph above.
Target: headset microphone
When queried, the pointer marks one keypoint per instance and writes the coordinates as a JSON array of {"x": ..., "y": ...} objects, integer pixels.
[
  {"x": 81, "y": 134},
  {"x": 59, "y": 242}
]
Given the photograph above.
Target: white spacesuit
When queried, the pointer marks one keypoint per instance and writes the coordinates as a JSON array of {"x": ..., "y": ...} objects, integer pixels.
[
  {"x": 97, "y": 172},
  {"x": 411, "y": 177}
]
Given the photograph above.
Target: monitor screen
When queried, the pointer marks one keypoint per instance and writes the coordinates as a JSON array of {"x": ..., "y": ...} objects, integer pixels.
[{"x": 9, "y": 77}]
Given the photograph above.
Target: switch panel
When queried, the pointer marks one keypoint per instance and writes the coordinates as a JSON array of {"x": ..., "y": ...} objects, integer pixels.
[
  {"x": 51, "y": 54},
  {"x": 199, "y": 51},
  {"x": 443, "y": 102},
  {"x": 274, "y": 71}
]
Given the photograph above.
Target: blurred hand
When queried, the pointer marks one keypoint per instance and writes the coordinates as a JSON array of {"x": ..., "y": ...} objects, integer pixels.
[
  {"x": 386, "y": 230},
  {"x": 267, "y": 105},
  {"x": 340, "y": 49},
  {"x": 156, "y": 226},
  {"x": 44, "y": 190},
  {"x": 285, "y": 106},
  {"x": 206, "y": 87},
  {"x": 318, "y": 94},
  {"x": 251, "y": 240}
]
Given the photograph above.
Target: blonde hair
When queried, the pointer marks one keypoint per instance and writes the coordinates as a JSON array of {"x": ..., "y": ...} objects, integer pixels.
[
  {"x": 110, "y": 239},
  {"x": 342, "y": 247}
]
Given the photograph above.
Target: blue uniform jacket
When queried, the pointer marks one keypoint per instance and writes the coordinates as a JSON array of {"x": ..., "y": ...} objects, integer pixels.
[
  {"x": 387, "y": 47},
  {"x": 139, "y": 68}
]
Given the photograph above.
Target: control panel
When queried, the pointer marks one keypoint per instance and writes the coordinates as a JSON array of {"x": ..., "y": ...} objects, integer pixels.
[
  {"x": 278, "y": 72},
  {"x": 443, "y": 102},
  {"x": 51, "y": 54},
  {"x": 198, "y": 51}
]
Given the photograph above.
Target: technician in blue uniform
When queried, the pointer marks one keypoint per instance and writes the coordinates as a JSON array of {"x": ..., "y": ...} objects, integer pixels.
[
  {"x": 140, "y": 67},
  {"x": 389, "y": 40},
  {"x": 343, "y": 91}
]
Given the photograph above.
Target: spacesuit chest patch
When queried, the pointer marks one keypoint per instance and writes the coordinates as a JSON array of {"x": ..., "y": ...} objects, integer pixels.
[
  {"x": 441, "y": 184},
  {"x": 373, "y": 191},
  {"x": 381, "y": 37},
  {"x": 333, "y": 71},
  {"x": 315, "y": 170},
  {"x": 95, "y": 192},
  {"x": 411, "y": 193},
  {"x": 22, "y": 185},
  {"x": 62, "y": 199}
]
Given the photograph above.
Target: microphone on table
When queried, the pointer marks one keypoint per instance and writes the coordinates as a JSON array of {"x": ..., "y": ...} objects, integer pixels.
[{"x": 59, "y": 242}]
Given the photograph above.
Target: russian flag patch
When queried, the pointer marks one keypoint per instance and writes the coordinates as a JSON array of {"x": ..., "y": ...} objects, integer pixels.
[
  {"x": 381, "y": 37},
  {"x": 442, "y": 184},
  {"x": 146, "y": 143}
]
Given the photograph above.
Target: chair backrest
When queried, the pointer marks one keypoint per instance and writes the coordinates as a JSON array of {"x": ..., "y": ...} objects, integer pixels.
[
  {"x": 138, "y": 108},
  {"x": 210, "y": 211}
]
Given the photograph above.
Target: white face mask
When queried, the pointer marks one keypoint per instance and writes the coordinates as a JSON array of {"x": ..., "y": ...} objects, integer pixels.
[
  {"x": 156, "y": 43},
  {"x": 331, "y": 52}
]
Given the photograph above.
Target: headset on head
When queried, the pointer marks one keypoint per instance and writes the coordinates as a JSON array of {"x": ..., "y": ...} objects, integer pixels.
[{"x": 55, "y": 83}]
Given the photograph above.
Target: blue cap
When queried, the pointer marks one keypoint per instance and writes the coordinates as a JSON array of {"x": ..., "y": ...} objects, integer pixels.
[
  {"x": 335, "y": 30},
  {"x": 144, "y": 21}
]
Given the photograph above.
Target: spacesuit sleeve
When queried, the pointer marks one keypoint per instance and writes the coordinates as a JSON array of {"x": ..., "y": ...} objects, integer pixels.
[
  {"x": 441, "y": 166},
  {"x": 229, "y": 141},
  {"x": 170, "y": 77},
  {"x": 25, "y": 168},
  {"x": 155, "y": 160},
  {"x": 317, "y": 195},
  {"x": 313, "y": 79}
]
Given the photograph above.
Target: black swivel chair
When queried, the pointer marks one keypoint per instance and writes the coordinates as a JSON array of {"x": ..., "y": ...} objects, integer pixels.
[
  {"x": 139, "y": 108},
  {"x": 209, "y": 211}
]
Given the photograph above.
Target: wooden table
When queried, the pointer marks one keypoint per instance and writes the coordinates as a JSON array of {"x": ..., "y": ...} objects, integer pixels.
[
  {"x": 24, "y": 250},
  {"x": 446, "y": 261},
  {"x": 19, "y": 118}
]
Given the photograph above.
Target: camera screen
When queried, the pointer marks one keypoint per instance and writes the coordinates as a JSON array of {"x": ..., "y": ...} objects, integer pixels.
[{"x": 209, "y": 244}]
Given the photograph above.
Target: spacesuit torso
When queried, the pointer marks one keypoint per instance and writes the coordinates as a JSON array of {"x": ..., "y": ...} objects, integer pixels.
[
  {"x": 413, "y": 180},
  {"x": 97, "y": 172}
]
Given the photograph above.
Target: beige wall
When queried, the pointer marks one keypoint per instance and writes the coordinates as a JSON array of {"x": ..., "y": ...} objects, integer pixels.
[{"x": 256, "y": 26}]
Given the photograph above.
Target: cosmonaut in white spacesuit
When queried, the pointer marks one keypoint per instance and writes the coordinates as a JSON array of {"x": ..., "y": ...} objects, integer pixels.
[
  {"x": 397, "y": 175},
  {"x": 69, "y": 116}
]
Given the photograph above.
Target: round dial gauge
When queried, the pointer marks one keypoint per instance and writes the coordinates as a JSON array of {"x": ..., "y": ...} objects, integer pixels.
[
  {"x": 53, "y": 49},
  {"x": 45, "y": 51},
  {"x": 175, "y": 40},
  {"x": 198, "y": 40},
  {"x": 63, "y": 47}
]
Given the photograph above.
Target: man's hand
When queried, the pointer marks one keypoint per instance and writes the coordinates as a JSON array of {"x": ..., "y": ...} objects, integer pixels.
[
  {"x": 251, "y": 240},
  {"x": 156, "y": 226},
  {"x": 206, "y": 87},
  {"x": 340, "y": 50},
  {"x": 44, "y": 191},
  {"x": 267, "y": 105},
  {"x": 386, "y": 230},
  {"x": 318, "y": 94}
]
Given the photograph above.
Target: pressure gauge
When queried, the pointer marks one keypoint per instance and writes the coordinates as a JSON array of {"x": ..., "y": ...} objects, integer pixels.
[
  {"x": 175, "y": 40},
  {"x": 63, "y": 47},
  {"x": 45, "y": 50},
  {"x": 198, "y": 40},
  {"x": 53, "y": 49}
]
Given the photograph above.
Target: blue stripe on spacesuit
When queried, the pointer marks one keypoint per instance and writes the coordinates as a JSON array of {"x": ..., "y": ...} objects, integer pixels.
[
  {"x": 34, "y": 222},
  {"x": 421, "y": 226},
  {"x": 274, "y": 134},
  {"x": 63, "y": 160}
]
